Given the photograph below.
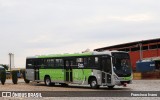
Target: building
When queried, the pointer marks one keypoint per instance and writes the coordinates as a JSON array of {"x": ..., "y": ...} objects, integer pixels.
[{"x": 145, "y": 49}]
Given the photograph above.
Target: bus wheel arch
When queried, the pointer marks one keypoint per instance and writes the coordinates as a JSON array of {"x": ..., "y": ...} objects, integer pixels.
[
  {"x": 47, "y": 80},
  {"x": 92, "y": 80}
]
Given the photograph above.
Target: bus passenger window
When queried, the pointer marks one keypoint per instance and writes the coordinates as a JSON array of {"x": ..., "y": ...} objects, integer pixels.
[
  {"x": 59, "y": 63},
  {"x": 52, "y": 63},
  {"x": 80, "y": 63},
  {"x": 79, "y": 60},
  {"x": 91, "y": 62},
  {"x": 108, "y": 67},
  {"x": 96, "y": 61},
  {"x": 30, "y": 63},
  {"x": 42, "y": 63},
  {"x": 48, "y": 63},
  {"x": 85, "y": 62},
  {"x": 73, "y": 63}
]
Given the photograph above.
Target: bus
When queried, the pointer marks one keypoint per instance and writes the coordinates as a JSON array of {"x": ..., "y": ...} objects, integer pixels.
[{"x": 107, "y": 68}]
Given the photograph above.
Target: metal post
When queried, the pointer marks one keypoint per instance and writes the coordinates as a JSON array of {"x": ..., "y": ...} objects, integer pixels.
[
  {"x": 10, "y": 61},
  {"x": 141, "y": 54}
]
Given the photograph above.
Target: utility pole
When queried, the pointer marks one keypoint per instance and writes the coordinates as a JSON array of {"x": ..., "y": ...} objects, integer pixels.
[{"x": 141, "y": 52}]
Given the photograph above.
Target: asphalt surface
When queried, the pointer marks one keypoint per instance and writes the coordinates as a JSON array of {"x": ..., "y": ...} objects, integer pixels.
[{"x": 74, "y": 92}]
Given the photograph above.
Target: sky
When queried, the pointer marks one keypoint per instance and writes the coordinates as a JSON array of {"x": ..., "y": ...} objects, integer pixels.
[{"x": 41, "y": 27}]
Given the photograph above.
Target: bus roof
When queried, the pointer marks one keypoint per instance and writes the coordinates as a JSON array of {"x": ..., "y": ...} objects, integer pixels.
[{"x": 73, "y": 55}]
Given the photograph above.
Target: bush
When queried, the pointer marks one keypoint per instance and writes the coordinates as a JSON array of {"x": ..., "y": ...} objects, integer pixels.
[
  {"x": 3, "y": 76},
  {"x": 24, "y": 77},
  {"x": 14, "y": 77}
]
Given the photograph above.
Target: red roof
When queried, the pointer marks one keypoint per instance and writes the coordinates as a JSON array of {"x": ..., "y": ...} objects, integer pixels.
[{"x": 129, "y": 44}]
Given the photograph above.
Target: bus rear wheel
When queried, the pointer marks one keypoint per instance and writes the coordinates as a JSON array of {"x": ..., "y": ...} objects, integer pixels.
[
  {"x": 27, "y": 81},
  {"x": 93, "y": 83},
  {"x": 47, "y": 81}
]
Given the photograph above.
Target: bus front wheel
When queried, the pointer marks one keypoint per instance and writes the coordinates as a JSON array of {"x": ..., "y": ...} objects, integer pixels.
[
  {"x": 93, "y": 83},
  {"x": 47, "y": 81}
]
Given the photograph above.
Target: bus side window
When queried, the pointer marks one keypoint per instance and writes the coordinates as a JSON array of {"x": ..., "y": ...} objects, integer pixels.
[
  {"x": 56, "y": 62},
  {"x": 96, "y": 61},
  {"x": 85, "y": 62},
  {"x": 80, "y": 63},
  {"x": 108, "y": 69},
  {"x": 43, "y": 63},
  {"x": 48, "y": 63},
  {"x": 29, "y": 63},
  {"x": 91, "y": 62},
  {"x": 79, "y": 60},
  {"x": 59, "y": 63},
  {"x": 52, "y": 63},
  {"x": 73, "y": 63},
  {"x": 39, "y": 63}
]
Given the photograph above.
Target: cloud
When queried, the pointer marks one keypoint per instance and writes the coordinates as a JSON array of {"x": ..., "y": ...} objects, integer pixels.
[
  {"x": 40, "y": 39},
  {"x": 133, "y": 18},
  {"x": 45, "y": 27}
]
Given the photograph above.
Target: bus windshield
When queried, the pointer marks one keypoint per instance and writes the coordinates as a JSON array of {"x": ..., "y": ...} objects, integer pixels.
[{"x": 121, "y": 64}]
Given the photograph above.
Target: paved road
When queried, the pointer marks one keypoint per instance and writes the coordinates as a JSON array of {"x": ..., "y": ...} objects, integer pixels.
[{"x": 138, "y": 85}]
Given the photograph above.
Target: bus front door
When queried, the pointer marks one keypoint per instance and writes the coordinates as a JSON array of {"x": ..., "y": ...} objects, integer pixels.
[
  {"x": 36, "y": 73},
  {"x": 68, "y": 71},
  {"x": 106, "y": 69}
]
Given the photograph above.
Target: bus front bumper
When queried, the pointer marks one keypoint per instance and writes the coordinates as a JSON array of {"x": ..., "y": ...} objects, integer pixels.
[{"x": 122, "y": 82}]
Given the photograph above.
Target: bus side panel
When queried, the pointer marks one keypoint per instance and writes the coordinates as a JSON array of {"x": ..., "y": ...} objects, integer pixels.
[
  {"x": 78, "y": 75},
  {"x": 30, "y": 74},
  {"x": 56, "y": 75},
  {"x": 59, "y": 75},
  {"x": 81, "y": 75},
  {"x": 87, "y": 73}
]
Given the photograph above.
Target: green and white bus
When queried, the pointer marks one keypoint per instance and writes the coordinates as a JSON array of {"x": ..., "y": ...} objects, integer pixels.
[{"x": 107, "y": 68}]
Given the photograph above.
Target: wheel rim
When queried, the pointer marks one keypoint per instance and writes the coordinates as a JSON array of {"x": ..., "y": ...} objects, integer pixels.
[
  {"x": 47, "y": 81},
  {"x": 93, "y": 83}
]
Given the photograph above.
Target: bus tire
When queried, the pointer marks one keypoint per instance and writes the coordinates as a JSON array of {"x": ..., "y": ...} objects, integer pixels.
[
  {"x": 47, "y": 81},
  {"x": 111, "y": 87},
  {"x": 27, "y": 81},
  {"x": 93, "y": 83},
  {"x": 24, "y": 77}
]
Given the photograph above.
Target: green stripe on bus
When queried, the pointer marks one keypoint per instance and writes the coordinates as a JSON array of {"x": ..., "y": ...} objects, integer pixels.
[{"x": 65, "y": 55}]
